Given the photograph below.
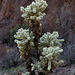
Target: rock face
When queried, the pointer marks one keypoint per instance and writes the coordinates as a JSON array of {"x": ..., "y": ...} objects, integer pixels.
[
  {"x": 60, "y": 17},
  {"x": 69, "y": 70},
  {"x": 8, "y": 57}
]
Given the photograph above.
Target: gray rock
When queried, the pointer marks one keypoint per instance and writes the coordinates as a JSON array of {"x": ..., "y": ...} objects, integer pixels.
[{"x": 1, "y": 73}]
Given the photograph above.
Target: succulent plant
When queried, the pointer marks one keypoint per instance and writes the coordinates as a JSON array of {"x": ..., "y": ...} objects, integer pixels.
[
  {"x": 34, "y": 10},
  {"x": 24, "y": 41},
  {"x": 47, "y": 47},
  {"x": 48, "y": 59},
  {"x": 49, "y": 39},
  {"x": 26, "y": 73}
]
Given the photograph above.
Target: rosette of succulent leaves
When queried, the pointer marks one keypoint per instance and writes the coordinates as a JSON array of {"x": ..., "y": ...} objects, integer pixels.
[
  {"x": 50, "y": 50},
  {"x": 24, "y": 41}
]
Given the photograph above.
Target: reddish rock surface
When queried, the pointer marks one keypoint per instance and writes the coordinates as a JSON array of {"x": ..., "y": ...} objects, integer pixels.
[{"x": 60, "y": 17}]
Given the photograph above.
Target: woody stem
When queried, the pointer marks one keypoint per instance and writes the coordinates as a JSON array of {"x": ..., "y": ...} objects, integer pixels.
[{"x": 36, "y": 29}]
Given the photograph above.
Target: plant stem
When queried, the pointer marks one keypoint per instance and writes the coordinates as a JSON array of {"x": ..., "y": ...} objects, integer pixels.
[{"x": 36, "y": 29}]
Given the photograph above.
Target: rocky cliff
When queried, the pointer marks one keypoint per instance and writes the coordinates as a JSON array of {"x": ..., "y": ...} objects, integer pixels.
[{"x": 60, "y": 17}]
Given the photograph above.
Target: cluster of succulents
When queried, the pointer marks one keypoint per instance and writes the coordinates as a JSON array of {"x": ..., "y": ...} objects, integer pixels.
[
  {"x": 34, "y": 10},
  {"x": 24, "y": 41},
  {"x": 37, "y": 66},
  {"x": 49, "y": 55},
  {"x": 49, "y": 39},
  {"x": 49, "y": 46}
]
